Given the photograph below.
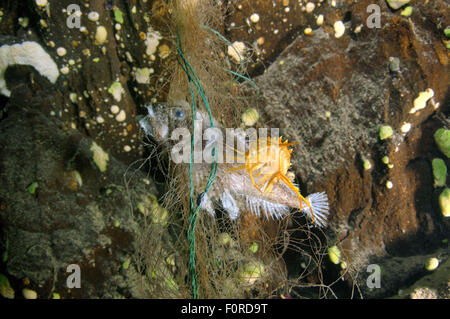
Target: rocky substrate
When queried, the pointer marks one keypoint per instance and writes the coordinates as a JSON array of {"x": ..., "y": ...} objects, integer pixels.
[{"x": 364, "y": 104}]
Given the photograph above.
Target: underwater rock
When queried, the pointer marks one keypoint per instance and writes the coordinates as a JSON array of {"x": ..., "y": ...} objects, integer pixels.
[
  {"x": 349, "y": 77},
  {"x": 432, "y": 285},
  {"x": 55, "y": 226},
  {"x": 399, "y": 276},
  {"x": 15, "y": 52},
  {"x": 423, "y": 293},
  {"x": 330, "y": 94}
]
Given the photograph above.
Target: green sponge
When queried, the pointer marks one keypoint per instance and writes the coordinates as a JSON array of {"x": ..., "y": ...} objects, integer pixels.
[
  {"x": 439, "y": 172},
  {"x": 444, "y": 202},
  {"x": 442, "y": 139},
  {"x": 334, "y": 254},
  {"x": 385, "y": 132}
]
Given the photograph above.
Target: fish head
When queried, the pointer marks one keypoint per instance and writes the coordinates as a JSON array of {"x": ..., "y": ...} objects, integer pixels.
[{"x": 161, "y": 120}]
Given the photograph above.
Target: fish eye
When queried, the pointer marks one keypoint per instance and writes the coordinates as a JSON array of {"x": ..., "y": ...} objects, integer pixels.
[{"x": 179, "y": 114}]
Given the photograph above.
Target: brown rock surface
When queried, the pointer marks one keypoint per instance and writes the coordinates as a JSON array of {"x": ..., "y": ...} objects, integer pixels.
[
  {"x": 350, "y": 78},
  {"x": 330, "y": 94}
]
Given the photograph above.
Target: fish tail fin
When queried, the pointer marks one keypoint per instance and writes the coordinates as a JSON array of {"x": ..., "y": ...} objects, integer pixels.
[{"x": 320, "y": 208}]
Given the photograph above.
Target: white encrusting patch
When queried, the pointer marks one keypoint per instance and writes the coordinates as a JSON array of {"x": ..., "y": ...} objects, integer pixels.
[
  {"x": 152, "y": 41},
  {"x": 421, "y": 101},
  {"x": 310, "y": 7},
  {"x": 114, "y": 109},
  {"x": 116, "y": 90},
  {"x": 121, "y": 116},
  {"x": 405, "y": 127},
  {"x": 319, "y": 20},
  {"x": 61, "y": 51},
  {"x": 237, "y": 50},
  {"x": 127, "y": 148},
  {"x": 254, "y": 18},
  {"x": 339, "y": 29},
  {"x": 26, "y": 53},
  {"x": 41, "y": 3},
  {"x": 93, "y": 16},
  {"x": 101, "y": 35},
  {"x": 65, "y": 70},
  {"x": 142, "y": 75}
]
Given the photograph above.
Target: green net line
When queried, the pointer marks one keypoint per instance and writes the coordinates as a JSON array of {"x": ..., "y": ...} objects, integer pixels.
[
  {"x": 241, "y": 63},
  {"x": 193, "y": 80}
]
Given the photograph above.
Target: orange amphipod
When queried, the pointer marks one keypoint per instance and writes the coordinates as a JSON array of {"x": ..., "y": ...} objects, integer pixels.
[{"x": 267, "y": 161}]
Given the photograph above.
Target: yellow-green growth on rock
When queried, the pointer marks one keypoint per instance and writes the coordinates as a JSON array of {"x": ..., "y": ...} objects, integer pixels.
[
  {"x": 439, "y": 172},
  {"x": 118, "y": 15},
  {"x": 447, "y": 32},
  {"x": 150, "y": 207},
  {"x": 126, "y": 264},
  {"x": 385, "y": 132},
  {"x": 334, "y": 254},
  {"x": 251, "y": 272},
  {"x": 250, "y": 117},
  {"x": 101, "y": 158},
  {"x": 32, "y": 188},
  {"x": 397, "y": 4},
  {"x": 367, "y": 165},
  {"x": 116, "y": 90},
  {"x": 253, "y": 247},
  {"x": 442, "y": 139},
  {"x": 5, "y": 288},
  {"x": 29, "y": 293},
  {"x": 444, "y": 202},
  {"x": 171, "y": 284},
  {"x": 225, "y": 239},
  {"x": 407, "y": 11},
  {"x": 432, "y": 264}
]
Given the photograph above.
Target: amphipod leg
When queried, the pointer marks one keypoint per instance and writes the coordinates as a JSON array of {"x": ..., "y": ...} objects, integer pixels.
[
  {"x": 239, "y": 152},
  {"x": 271, "y": 182},
  {"x": 291, "y": 186},
  {"x": 262, "y": 181},
  {"x": 236, "y": 168},
  {"x": 253, "y": 168}
]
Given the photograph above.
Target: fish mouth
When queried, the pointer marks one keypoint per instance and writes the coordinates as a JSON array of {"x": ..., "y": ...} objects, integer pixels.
[{"x": 155, "y": 123}]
